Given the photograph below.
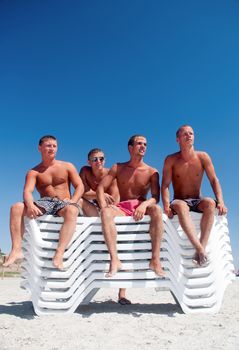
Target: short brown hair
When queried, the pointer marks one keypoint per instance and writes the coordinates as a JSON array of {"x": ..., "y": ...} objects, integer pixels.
[
  {"x": 45, "y": 137},
  {"x": 181, "y": 127},
  {"x": 132, "y": 139},
  {"x": 94, "y": 150}
]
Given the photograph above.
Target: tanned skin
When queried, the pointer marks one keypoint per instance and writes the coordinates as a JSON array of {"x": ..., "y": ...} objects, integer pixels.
[
  {"x": 185, "y": 170},
  {"x": 91, "y": 176},
  {"x": 51, "y": 178},
  {"x": 134, "y": 180}
]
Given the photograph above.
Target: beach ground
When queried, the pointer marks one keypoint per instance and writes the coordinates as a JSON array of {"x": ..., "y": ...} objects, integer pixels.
[{"x": 153, "y": 321}]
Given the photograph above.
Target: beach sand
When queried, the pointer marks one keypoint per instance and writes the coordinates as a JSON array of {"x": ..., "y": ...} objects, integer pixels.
[{"x": 153, "y": 321}]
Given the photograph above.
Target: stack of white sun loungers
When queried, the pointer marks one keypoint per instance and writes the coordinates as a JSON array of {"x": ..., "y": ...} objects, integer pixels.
[{"x": 196, "y": 289}]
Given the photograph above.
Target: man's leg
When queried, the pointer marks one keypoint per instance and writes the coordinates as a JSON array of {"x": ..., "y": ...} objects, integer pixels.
[
  {"x": 69, "y": 213},
  {"x": 207, "y": 206},
  {"x": 16, "y": 228},
  {"x": 156, "y": 233},
  {"x": 110, "y": 235},
  {"x": 182, "y": 210},
  {"x": 88, "y": 208}
]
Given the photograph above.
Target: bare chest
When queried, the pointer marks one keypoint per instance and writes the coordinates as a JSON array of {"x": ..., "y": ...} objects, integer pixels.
[
  {"x": 52, "y": 178},
  {"x": 188, "y": 170},
  {"x": 93, "y": 180},
  {"x": 133, "y": 178}
]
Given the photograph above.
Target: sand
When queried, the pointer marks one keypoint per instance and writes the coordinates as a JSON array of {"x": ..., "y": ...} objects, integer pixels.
[{"x": 153, "y": 321}]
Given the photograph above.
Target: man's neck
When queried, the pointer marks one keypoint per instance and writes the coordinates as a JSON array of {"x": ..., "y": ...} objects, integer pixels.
[
  {"x": 136, "y": 162},
  {"x": 48, "y": 162},
  {"x": 98, "y": 173},
  {"x": 187, "y": 152}
]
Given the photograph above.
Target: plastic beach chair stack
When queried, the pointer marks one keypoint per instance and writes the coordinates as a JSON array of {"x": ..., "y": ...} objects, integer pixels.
[{"x": 196, "y": 289}]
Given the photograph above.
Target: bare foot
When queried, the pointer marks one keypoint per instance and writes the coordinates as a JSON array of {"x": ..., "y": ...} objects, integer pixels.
[
  {"x": 15, "y": 256},
  {"x": 115, "y": 266},
  {"x": 155, "y": 266},
  {"x": 200, "y": 259},
  {"x": 58, "y": 260}
]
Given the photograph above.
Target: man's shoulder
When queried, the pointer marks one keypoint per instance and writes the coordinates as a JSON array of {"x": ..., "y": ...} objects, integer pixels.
[
  {"x": 62, "y": 162},
  {"x": 86, "y": 169},
  {"x": 121, "y": 164},
  {"x": 173, "y": 155},
  {"x": 36, "y": 168},
  {"x": 201, "y": 153},
  {"x": 64, "y": 165},
  {"x": 203, "y": 157},
  {"x": 150, "y": 168},
  {"x": 171, "y": 159}
]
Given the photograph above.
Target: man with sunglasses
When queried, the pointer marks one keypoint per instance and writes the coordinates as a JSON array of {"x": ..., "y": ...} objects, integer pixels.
[
  {"x": 134, "y": 179},
  {"x": 91, "y": 176}
]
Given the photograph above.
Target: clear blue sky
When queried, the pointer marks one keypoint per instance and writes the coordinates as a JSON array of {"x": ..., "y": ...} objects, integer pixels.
[{"x": 93, "y": 73}]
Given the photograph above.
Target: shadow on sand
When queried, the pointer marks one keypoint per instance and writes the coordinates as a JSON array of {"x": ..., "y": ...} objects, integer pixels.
[
  {"x": 135, "y": 310},
  {"x": 25, "y": 309},
  {"x": 22, "y": 310}
]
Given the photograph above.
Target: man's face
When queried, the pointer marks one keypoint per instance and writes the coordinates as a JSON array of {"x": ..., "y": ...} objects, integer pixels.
[
  {"x": 97, "y": 160},
  {"x": 139, "y": 147},
  {"x": 48, "y": 148},
  {"x": 186, "y": 136}
]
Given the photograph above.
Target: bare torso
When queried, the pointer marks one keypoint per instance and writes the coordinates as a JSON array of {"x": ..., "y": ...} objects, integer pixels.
[
  {"x": 52, "y": 181},
  {"x": 92, "y": 180},
  {"x": 134, "y": 183},
  {"x": 187, "y": 175}
]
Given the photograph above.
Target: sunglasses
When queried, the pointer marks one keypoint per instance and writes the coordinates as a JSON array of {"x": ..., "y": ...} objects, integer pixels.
[{"x": 96, "y": 159}]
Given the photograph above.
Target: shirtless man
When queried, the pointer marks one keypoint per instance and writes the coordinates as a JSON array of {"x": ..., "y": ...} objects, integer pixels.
[
  {"x": 52, "y": 179},
  {"x": 134, "y": 180},
  {"x": 91, "y": 176},
  {"x": 185, "y": 169}
]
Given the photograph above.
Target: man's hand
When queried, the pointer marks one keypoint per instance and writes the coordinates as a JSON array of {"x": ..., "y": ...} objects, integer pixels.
[
  {"x": 221, "y": 208},
  {"x": 109, "y": 199},
  {"x": 140, "y": 211},
  {"x": 168, "y": 211},
  {"x": 33, "y": 212}
]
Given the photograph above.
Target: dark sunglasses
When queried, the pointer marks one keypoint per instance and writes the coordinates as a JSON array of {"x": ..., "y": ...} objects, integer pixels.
[{"x": 96, "y": 159}]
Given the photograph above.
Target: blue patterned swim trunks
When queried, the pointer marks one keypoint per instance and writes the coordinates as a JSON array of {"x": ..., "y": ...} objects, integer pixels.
[{"x": 51, "y": 205}]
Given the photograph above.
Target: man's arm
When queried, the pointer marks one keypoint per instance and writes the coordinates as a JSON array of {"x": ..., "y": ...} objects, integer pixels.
[
  {"x": 167, "y": 179},
  {"x": 88, "y": 192},
  {"x": 155, "y": 195},
  {"x": 216, "y": 187},
  {"x": 76, "y": 182},
  {"x": 114, "y": 191},
  {"x": 30, "y": 182},
  {"x": 155, "y": 188},
  {"x": 104, "y": 185}
]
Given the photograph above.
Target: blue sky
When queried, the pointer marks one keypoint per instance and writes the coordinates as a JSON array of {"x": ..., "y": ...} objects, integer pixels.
[{"x": 93, "y": 73}]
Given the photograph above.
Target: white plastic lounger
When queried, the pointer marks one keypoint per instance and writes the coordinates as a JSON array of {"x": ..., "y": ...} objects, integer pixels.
[{"x": 196, "y": 289}]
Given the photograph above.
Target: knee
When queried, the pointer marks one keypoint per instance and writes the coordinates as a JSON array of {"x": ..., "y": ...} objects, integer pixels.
[
  {"x": 208, "y": 204},
  {"x": 106, "y": 214},
  {"x": 180, "y": 207},
  {"x": 154, "y": 211},
  {"x": 17, "y": 209},
  {"x": 71, "y": 212}
]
